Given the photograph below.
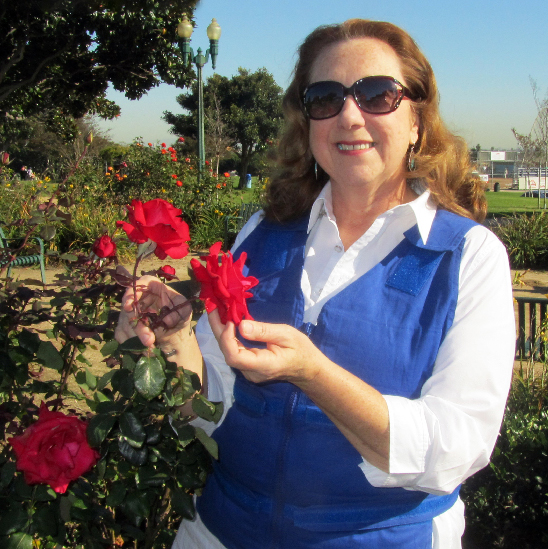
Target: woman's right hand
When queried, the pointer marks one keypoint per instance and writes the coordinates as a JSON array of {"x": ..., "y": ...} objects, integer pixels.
[{"x": 152, "y": 295}]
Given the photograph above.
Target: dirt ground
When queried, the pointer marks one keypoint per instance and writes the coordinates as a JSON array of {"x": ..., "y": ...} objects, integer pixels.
[{"x": 526, "y": 283}]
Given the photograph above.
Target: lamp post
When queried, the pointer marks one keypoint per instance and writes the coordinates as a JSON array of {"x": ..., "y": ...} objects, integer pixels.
[{"x": 184, "y": 30}]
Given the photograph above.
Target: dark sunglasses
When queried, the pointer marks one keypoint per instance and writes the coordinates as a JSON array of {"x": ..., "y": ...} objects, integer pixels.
[{"x": 373, "y": 94}]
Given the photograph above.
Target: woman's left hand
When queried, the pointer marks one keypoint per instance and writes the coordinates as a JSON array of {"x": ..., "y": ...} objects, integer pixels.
[{"x": 289, "y": 354}]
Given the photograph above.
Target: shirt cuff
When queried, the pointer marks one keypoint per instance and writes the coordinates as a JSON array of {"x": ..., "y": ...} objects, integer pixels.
[{"x": 409, "y": 442}]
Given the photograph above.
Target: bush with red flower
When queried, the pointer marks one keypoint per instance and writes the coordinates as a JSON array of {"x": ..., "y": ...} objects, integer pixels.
[{"x": 97, "y": 457}]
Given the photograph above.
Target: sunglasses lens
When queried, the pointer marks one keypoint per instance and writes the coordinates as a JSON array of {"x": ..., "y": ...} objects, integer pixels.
[
  {"x": 323, "y": 100},
  {"x": 377, "y": 95},
  {"x": 374, "y": 94}
]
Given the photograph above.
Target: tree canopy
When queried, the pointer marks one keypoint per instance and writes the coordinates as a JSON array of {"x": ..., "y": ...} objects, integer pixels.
[
  {"x": 243, "y": 111},
  {"x": 59, "y": 56}
]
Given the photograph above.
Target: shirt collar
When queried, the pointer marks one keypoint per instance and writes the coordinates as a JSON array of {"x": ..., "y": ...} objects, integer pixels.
[{"x": 423, "y": 208}]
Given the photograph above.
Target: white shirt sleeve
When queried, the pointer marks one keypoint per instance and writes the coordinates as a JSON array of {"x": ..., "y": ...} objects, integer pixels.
[
  {"x": 449, "y": 432},
  {"x": 220, "y": 377}
]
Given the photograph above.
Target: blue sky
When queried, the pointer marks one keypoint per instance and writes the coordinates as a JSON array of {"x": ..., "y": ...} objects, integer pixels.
[{"x": 483, "y": 52}]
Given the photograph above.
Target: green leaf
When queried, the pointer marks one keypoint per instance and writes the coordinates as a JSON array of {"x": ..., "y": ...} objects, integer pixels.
[
  {"x": 109, "y": 348},
  {"x": 122, "y": 382},
  {"x": 132, "y": 429},
  {"x": 128, "y": 363},
  {"x": 133, "y": 455},
  {"x": 91, "y": 380},
  {"x": 29, "y": 341},
  {"x": 136, "y": 504},
  {"x": 185, "y": 434},
  {"x": 207, "y": 410},
  {"x": 14, "y": 518},
  {"x": 132, "y": 344},
  {"x": 209, "y": 444},
  {"x": 7, "y": 473},
  {"x": 68, "y": 257},
  {"x": 150, "y": 476},
  {"x": 20, "y": 540},
  {"x": 183, "y": 504},
  {"x": 149, "y": 377},
  {"x": 116, "y": 495},
  {"x": 48, "y": 355},
  {"x": 47, "y": 232},
  {"x": 99, "y": 427},
  {"x": 105, "y": 380}
]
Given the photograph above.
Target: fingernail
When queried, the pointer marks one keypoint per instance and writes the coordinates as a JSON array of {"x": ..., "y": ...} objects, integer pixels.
[{"x": 246, "y": 328}]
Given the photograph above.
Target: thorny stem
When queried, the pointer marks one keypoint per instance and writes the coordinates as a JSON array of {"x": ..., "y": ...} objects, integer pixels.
[
  {"x": 136, "y": 308},
  {"x": 64, "y": 380}
]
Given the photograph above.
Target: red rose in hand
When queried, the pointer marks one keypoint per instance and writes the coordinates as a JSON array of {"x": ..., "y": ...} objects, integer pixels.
[
  {"x": 159, "y": 221},
  {"x": 54, "y": 450},
  {"x": 224, "y": 286},
  {"x": 104, "y": 247},
  {"x": 167, "y": 272}
]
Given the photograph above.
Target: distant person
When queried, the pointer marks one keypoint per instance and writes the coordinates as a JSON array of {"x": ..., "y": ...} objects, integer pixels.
[{"x": 373, "y": 379}]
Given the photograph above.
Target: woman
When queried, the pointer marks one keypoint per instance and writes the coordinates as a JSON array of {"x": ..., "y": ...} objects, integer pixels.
[{"x": 373, "y": 380}]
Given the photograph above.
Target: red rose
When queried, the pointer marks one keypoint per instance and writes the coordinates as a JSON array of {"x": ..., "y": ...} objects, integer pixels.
[
  {"x": 226, "y": 174},
  {"x": 164, "y": 145},
  {"x": 104, "y": 247},
  {"x": 54, "y": 450},
  {"x": 167, "y": 272},
  {"x": 159, "y": 221},
  {"x": 181, "y": 139},
  {"x": 224, "y": 286},
  {"x": 150, "y": 144},
  {"x": 179, "y": 183}
]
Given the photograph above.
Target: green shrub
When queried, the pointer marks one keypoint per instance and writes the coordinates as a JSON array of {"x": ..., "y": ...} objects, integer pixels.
[
  {"x": 526, "y": 239},
  {"x": 507, "y": 502}
]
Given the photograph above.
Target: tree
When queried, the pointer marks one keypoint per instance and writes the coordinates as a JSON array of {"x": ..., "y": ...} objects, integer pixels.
[
  {"x": 244, "y": 111},
  {"x": 60, "y": 56}
]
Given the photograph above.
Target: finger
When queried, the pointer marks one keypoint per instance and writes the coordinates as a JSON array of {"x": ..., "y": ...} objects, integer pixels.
[
  {"x": 217, "y": 327},
  {"x": 278, "y": 334}
]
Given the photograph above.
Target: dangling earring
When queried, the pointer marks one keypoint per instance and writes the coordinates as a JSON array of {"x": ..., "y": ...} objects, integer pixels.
[
  {"x": 316, "y": 170},
  {"x": 411, "y": 158}
]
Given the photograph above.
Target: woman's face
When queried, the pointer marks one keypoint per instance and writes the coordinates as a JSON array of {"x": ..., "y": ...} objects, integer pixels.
[{"x": 356, "y": 148}]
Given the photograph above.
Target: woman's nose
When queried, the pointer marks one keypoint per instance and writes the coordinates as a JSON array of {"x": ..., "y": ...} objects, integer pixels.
[{"x": 350, "y": 115}]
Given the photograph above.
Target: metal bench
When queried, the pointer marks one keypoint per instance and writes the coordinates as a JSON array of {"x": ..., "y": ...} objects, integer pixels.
[
  {"x": 234, "y": 223},
  {"x": 7, "y": 245},
  {"x": 532, "y": 322}
]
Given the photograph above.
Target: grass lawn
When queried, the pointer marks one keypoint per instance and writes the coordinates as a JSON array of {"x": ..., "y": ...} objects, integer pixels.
[{"x": 506, "y": 203}]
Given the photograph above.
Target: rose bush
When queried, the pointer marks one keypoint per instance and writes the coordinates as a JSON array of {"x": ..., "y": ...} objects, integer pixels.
[
  {"x": 152, "y": 459},
  {"x": 54, "y": 450},
  {"x": 223, "y": 286}
]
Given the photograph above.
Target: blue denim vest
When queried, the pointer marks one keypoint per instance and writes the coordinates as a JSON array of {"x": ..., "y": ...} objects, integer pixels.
[{"x": 286, "y": 477}]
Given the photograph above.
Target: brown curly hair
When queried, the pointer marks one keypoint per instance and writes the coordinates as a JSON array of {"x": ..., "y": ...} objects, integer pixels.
[{"x": 441, "y": 158}]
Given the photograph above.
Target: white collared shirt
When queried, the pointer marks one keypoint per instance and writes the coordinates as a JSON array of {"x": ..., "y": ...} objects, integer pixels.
[{"x": 448, "y": 433}]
